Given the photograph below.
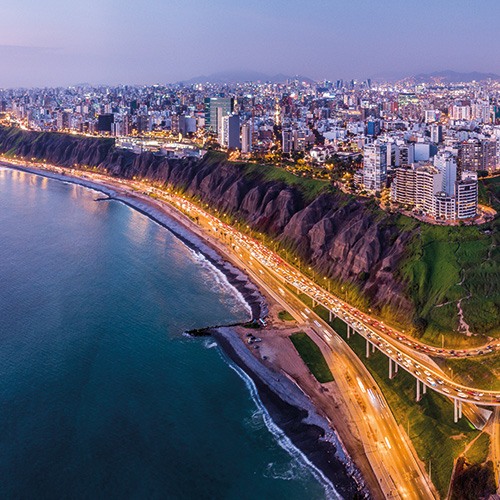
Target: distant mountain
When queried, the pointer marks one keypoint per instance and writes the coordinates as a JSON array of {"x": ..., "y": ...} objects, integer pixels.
[
  {"x": 243, "y": 76},
  {"x": 449, "y": 76}
]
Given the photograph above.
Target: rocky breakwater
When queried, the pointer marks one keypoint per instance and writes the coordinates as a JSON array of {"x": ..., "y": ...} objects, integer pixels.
[{"x": 345, "y": 239}]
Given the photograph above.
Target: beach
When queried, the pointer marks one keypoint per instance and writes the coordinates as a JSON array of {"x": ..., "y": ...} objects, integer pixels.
[{"x": 313, "y": 416}]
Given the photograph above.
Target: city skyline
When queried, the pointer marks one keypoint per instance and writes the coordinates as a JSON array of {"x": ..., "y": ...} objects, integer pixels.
[{"x": 108, "y": 43}]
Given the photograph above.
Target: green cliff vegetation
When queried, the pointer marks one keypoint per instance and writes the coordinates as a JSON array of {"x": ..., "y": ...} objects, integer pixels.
[
  {"x": 448, "y": 268},
  {"x": 310, "y": 188}
]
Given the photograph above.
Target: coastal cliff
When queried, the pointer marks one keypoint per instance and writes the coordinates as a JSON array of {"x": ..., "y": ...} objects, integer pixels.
[{"x": 349, "y": 240}]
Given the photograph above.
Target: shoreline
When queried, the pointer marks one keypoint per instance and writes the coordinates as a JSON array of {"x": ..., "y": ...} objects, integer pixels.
[{"x": 294, "y": 416}]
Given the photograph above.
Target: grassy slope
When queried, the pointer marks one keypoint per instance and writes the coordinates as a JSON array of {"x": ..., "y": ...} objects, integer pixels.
[
  {"x": 312, "y": 356},
  {"x": 442, "y": 266},
  {"x": 482, "y": 372},
  {"x": 310, "y": 188},
  {"x": 446, "y": 264},
  {"x": 479, "y": 451}
]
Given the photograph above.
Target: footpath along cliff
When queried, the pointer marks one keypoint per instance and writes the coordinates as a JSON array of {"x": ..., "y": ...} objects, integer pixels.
[{"x": 348, "y": 240}]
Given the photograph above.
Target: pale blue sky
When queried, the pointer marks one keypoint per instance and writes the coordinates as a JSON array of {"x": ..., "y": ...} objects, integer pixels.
[{"x": 59, "y": 42}]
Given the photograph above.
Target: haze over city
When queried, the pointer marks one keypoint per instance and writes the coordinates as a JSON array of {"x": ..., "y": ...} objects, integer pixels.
[{"x": 59, "y": 43}]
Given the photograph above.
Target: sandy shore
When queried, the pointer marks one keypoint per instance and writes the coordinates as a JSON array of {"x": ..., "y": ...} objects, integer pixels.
[{"x": 308, "y": 412}]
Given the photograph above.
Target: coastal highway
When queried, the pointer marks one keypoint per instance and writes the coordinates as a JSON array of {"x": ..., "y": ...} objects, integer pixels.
[
  {"x": 398, "y": 469},
  {"x": 388, "y": 451},
  {"x": 288, "y": 272},
  {"x": 415, "y": 362},
  {"x": 386, "y": 446}
]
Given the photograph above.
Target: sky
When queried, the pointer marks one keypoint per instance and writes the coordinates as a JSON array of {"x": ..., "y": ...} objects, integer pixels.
[{"x": 60, "y": 42}]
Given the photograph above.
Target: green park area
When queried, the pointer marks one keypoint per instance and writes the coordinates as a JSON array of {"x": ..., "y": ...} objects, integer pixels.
[{"x": 312, "y": 357}]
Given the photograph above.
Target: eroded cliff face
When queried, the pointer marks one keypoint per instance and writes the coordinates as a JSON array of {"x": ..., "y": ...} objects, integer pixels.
[{"x": 340, "y": 237}]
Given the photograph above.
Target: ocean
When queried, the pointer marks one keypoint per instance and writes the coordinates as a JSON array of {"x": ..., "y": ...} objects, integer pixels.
[{"x": 102, "y": 394}]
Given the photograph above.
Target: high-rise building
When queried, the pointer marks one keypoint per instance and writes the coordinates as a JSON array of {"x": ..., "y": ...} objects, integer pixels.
[
  {"x": 142, "y": 124},
  {"x": 459, "y": 112},
  {"x": 429, "y": 182},
  {"x": 437, "y": 134},
  {"x": 246, "y": 138},
  {"x": 229, "y": 134},
  {"x": 404, "y": 185},
  {"x": 373, "y": 127},
  {"x": 467, "y": 196},
  {"x": 212, "y": 115},
  {"x": 445, "y": 206},
  {"x": 469, "y": 155},
  {"x": 287, "y": 140},
  {"x": 187, "y": 125},
  {"x": 445, "y": 162},
  {"x": 104, "y": 122},
  {"x": 405, "y": 154},
  {"x": 489, "y": 155},
  {"x": 474, "y": 155},
  {"x": 175, "y": 124},
  {"x": 374, "y": 166}
]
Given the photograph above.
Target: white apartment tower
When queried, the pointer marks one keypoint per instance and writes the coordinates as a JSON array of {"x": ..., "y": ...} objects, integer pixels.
[
  {"x": 246, "y": 138},
  {"x": 374, "y": 166},
  {"x": 467, "y": 196},
  {"x": 445, "y": 162}
]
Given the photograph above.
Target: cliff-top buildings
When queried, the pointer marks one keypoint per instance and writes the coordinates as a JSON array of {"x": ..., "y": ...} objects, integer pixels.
[{"x": 418, "y": 141}]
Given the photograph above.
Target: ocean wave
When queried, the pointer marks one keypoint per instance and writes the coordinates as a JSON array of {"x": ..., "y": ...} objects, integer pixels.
[
  {"x": 256, "y": 420},
  {"x": 222, "y": 284},
  {"x": 283, "y": 440},
  {"x": 209, "y": 344},
  {"x": 285, "y": 472}
]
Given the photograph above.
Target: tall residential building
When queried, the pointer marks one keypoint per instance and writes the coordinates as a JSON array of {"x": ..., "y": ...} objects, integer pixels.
[
  {"x": 437, "y": 134},
  {"x": 467, "y": 196},
  {"x": 445, "y": 206},
  {"x": 474, "y": 155},
  {"x": 212, "y": 113},
  {"x": 404, "y": 184},
  {"x": 458, "y": 112},
  {"x": 405, "y": 154},
  {"x": 374, "y": 166},
  {"x": 429, "y": 182},
  {"x": 229, "y": 132},
  {"x": 421, "y": 187},
  {"x": 246, "y": 137},
  {"x": 142, "y": 124},
  {"x": 489, "y": 155},
  {"x": 287, "y": 140},
  {"x": 445, "y": 162}
]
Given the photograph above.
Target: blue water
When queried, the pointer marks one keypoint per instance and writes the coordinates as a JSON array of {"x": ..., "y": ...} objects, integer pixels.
[{"x": 101, "y": 394}]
